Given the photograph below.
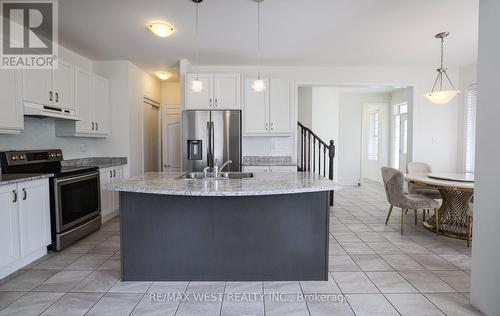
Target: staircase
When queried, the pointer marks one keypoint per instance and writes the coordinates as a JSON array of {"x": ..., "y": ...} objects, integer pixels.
[{"x": 314, "y": 154}]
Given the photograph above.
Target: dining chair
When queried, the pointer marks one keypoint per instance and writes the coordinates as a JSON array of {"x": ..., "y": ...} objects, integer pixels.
[
  {"x": 394, "y": 184},
  {"x": 470, "y": 220},
  {"x": 421, "y": 168}
]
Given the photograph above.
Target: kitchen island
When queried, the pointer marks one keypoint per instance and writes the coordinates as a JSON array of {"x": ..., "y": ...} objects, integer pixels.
[{"x": 271, "y": 226}]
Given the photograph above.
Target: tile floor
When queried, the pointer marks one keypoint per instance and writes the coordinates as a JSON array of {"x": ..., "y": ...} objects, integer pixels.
[{"x": 376, "y": 270}]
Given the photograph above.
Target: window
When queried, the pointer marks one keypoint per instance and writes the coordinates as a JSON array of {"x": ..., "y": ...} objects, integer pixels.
[
  {"x": 399, "y": 133},
  {"x": 470, "y": 128},
  {"x": 373, "y": 135}
]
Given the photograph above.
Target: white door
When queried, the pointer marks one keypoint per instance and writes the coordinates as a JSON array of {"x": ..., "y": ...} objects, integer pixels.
[
  {"x": 34, "y": 215},
  {"x": 9, "y": 224},
  {"x": 11, "y": 106},
  {"x": 64, "y": 84},
  {"x": 37, "y": 86},
  {"x": 199, "y": 100},
  {"x": 256, "y": 109},
  {"x": 83, "y": 99},
  {"x": 403, "y": 143},
  {"x": 375, "y": 141},
  {"x": 171, "y": 126},
  {"x": 106, "y": 198},
  {"x": 151, "y": 135},
  {"x": 226, "y": 91},
  {"x": 280, "y": 106},
  {"x": 101, "y": 104}
]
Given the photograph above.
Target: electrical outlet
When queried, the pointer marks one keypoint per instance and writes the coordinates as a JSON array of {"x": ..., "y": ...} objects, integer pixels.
[{"x": 83, "y": 148}]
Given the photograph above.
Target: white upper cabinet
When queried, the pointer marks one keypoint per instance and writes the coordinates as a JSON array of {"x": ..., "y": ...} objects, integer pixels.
[
  {"x": 220, "y": 91},
  {"x": 203, "y": 99},
  {"x": 255, "y": 109},
  {"x": 37, "y": 86},
  {"x": 83, "y": 89},
  {"x": 101, "y": 104},
  {"x": 280, "y": 106},
  {"x": 64, "y": 85},
  {"x": 226, "y": 91},
  {"x": 9, "y": 224},
  {"x": 11, "y": 105},
  {"x": 269, "y": 111}
]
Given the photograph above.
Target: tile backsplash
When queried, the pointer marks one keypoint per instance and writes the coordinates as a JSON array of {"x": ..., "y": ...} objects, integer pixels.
[{"x": 267, "y": 146}]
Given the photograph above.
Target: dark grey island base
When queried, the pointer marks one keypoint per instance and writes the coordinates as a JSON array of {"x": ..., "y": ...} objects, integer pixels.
[{"x": 279, "y": 237}]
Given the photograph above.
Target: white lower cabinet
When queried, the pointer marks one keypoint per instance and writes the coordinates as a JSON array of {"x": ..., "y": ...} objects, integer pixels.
[
  {"x": 110, "y": 201},
  {"x": 24, "y": 224},
  {"x": 269, "y": 168}
]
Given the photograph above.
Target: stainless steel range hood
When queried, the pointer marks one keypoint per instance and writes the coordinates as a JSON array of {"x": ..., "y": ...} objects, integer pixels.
[{"x": 43, "y": 111}]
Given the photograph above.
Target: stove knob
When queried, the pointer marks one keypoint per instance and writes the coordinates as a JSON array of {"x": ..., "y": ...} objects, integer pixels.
[
  {"x": 58, "y": 154},
  {"x": 13, "y": 157},
  {"x": 21, "y": 157},
  {"x": 52, "y": 155}
]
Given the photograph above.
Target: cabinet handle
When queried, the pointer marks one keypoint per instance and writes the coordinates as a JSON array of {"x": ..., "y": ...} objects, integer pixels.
[
  {"x": 50, "y": 95},
  {"x": 111, "y": 173},
  {"x": 215, "y": 102},
  {"x": 272, "y": 127},
  {"x": 57, "y": 97},
  {"x": 114, "y": 173},
  {"x": 25, "y": 194},
  {"x": 93, "y": 126},
  {"x": 267, "y": 126},
  {"x": 15, "y": 196},
  {"x": 210, "y": 102},
  {"x": 96, "y": 126}
]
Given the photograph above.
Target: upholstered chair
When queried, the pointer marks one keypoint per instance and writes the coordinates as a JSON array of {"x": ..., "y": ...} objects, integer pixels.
[
  {"x": 393, "y": 184},
  {"x": 421, "y": 168},
  {"x": 469, "y": 222}
]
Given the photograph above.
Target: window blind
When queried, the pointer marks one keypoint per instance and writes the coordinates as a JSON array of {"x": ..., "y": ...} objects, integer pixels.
[{"x": 470, "y": 129}]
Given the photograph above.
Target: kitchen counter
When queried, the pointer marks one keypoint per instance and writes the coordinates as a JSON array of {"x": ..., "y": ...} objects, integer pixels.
[
  {"x": 263, "y": 183},
  {"x": 101, "y": 162},
  {"x": 268, "y": 161},
  {"x": 6, "y": 179}
]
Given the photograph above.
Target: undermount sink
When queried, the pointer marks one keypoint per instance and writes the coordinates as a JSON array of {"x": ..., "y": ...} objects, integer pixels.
[{"x": 222, "y": 175}]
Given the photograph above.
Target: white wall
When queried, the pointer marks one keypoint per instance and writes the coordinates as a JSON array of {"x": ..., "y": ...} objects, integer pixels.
[
  {"x": 305, "y": 106},
  {"x": 170, "y": 94},
  {"x": 485, "y": 275},
  {"x": 434, "y": 127}
]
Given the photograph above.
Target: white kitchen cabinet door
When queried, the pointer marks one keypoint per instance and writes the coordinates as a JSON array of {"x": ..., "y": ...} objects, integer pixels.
[
  {"x": 11, "y": 105},
  {"x": 202, "y": 100},
  {"x": 34, "y": 215},
  {"x": 101, "y": 104},
  {"x": 64, "y": 85},
  {"x": 37, "y": 86},
  {"x": 280, "y": 107},
  {"x": 255, "y": 109},
  {"x": 83, "y": 100},
  {"x": 117, "y": 176},
  {"x": 9, "y": 224},
  {"x": 106, "y": 199},
  {"x": 226, "y": 92}
]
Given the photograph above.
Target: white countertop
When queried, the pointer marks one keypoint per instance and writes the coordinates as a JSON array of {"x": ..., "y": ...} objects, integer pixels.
[{"x": 263, "y": 183}]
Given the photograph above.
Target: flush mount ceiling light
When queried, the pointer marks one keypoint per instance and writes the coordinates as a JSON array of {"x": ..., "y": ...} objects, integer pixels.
[
  {"x": 196, "y": 84},
  {"x": 442, "y": 96},
  {"x": 163, "y": 75},
  {"x": 161, "y": 29},
  {"x": 258, "y": 85}
]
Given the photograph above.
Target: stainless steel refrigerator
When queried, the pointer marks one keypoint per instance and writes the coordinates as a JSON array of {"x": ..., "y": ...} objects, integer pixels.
[{"x": 211, "y": 137}]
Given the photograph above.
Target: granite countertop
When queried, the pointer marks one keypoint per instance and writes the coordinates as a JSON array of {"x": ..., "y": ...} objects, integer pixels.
[
  {"x": 101, "y": 162},
  {"x": 6, "y": 179},
  {"x": 263, "y": 183},
  {"x": 268, "y": 161}
]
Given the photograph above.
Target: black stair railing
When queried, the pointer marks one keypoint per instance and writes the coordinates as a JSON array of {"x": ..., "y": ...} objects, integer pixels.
[{"x": 314, "y": 154}]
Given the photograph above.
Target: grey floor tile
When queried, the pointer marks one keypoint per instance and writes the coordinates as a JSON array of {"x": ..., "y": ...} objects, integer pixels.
[
  {"x": 192, "y": 307},
  {"x": 244, "y": 287},
  {"x": 371, "y": 263},
  {"x": 80, "y": 247},
  {"x": 328, "y": 308},
  {"x": 433, "y": 262},
  {"x": 33, "y": 303},
  {"x": 206, "y": 287},
  {"x": 385, "y": 248},
  {"x": 411, "y": 248},
  {"x": 106, "y": 247},
  {"x": 62, "y": 281},
  {"x": 336, "y": 249},
  {"x": 413, "y": 305},
  {"x": 285, "y": 305},
  {"x": 354, "y": 282},
  {"x": 370, "y": 237},
  {"x": 282, "y": 287},
  {"x": 73, "y": 304},
  {"x": 402, "y": 262},
  {"x": 460, "y": 261},
  {"x": 326, "y": 287},
  {"x": 130, "y": 287},
  {"x": 115, "y": 304},
  {"x": 459, "y": 280},
  {"x": 99, "y": 236},
  {"x": 88, "y": 262},
  {"x": 8, "y": 297},
  {"x": 371, "y": 304},
  {"x": 168, "y": 287},
  {"x": 27, "y": 280},
  {"x": 453, "y": 304},
  {"x": 345, "y": 237},
  {"x": 156, "y": 306},
  {"x": 342, "y": 263},
  {"x": 113, "y": 263},
  {"x": 58, "y": 261},
  {"x": 390, "y": 282},
  {"x": 245, "y": 305},
  {"x": 98, "y": 281},
  {"x": 426, "y": 282},
  {"x": 357, "y": 248}
]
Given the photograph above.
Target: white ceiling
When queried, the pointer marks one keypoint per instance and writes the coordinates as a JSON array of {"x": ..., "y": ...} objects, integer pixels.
[{"x": 396, "y": 33}]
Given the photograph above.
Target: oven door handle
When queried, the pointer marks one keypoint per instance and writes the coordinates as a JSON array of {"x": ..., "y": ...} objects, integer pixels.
[{"x": 73, "y": 178}]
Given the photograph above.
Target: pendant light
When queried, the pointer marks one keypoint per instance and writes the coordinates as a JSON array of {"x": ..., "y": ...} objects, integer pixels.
[
  {"x": 258, "y": 85},
  {"x": 196, "y": 84},
  {"x": 442, "y": 96}
]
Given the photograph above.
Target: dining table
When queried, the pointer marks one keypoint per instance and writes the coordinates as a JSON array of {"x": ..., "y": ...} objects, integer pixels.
[{"x": 457, "y": 191}]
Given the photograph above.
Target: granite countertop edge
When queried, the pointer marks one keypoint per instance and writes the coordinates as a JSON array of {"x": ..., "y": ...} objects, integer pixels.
[
  {"x": 18, "y": 178},
  {"x": 101, "y": 162},
  {"x": 268, "y": 161}
]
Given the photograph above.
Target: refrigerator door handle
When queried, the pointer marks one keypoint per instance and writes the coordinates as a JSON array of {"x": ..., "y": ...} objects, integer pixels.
[
  {"x": 212, "y": 141},
  {"x": 209, "y": 144}
]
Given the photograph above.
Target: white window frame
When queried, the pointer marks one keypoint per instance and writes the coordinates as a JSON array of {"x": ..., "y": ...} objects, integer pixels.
[
  {"x": 397, "y": 110},
  {"x": 373, "y": 135},
  {"x": 470, "y": 110}
]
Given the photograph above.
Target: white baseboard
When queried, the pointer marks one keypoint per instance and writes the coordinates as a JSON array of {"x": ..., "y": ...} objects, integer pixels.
[
  {"x": 22, "y": 262},
  {"x": 109, "y": 216}
]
